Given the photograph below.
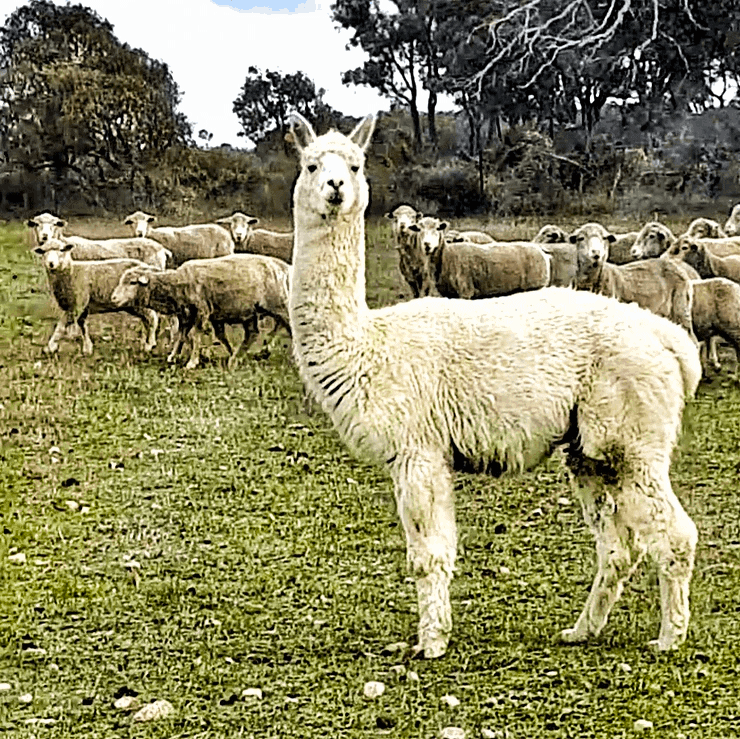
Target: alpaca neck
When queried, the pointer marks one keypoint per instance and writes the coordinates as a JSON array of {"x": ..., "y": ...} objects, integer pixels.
[{"x": 327, "y": 291}]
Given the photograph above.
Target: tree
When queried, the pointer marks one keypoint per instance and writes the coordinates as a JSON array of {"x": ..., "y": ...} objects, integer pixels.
[
  {"x": 76, "y": 101},
  {"x": 267, "y": 98}
]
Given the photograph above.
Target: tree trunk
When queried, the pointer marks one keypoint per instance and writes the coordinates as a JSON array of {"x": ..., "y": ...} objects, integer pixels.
[{"x": 431, "y": 117}]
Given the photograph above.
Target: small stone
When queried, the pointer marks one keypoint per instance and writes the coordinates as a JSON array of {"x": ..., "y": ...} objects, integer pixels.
[
  {"x": 73, "y": 505},
  {"x": 536, "y": 513},
  {"x": 397, "y": 670},
  {"x": 55, "y": 450},
  {"x": 255, "y": 693},
  {"x": 132, "y": 564},
  {"x": 19, "y": 558},
  {"x": 452, "y": 732},
  {"x": 624, "y": 667},
  {"x": 489, "y": 734},
  {"x": 5, "y": 686},
  {"x": 564, "y": 502},
  {"x": 85, "y": 509},
  {"x": 450, "y": 700},
  {"x": 154, "y": 711},
  {"x": 38, "y": 651},
  {"x": 412, "y": 676},
  {"x": 40, "y": 721},
  {"x": 399, "y": 646},
  {"x": 504, "y": 570},
  {"x": 126, "y": 703},
  {"x": 373, "y": 689},
  {"x": 25, "y": 698},
  {"x": 642, "y": 724}
]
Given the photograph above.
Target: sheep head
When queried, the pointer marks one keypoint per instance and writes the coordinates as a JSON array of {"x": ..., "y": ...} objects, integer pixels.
[
  {"x": 239, "y": 226},
  {"x": 46, "y": 226},
  {"x": 139, "y": 222},
  {"x": 429, "y": 233}
]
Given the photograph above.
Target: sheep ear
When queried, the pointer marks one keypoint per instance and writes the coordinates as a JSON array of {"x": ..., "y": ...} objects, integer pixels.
[
  {"x": 224, "y": 220},
  {"x": 363, "y": 132},
  {"x": 611, "y": 238},
  {"x": 39, "y": 250},
  {"x": 301, "y": 131},
  {"x": 30, "y": 222},
  {"x": 151, "y": 219},
  {"x": 128, "y": 221},
  {"x": 413, "y": 227},
  {"x": 253, "y": 221},
  {"x": 143, "y": 279},
  {"x": 693, "y": 247},
  {"x": 67, "y": 246},
  {"x": 572, "y": 238},
  {"x": 442, "y": 225}
]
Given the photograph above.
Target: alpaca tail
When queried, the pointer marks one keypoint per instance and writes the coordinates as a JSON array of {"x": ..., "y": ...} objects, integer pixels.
[{"x": 685, "y": 350}]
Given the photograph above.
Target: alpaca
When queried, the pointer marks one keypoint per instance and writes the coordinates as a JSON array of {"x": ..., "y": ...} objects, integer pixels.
[{"x": 435, "y": 384}]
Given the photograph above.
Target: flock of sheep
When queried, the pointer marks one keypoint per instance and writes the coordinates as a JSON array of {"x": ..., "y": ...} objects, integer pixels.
[
  {"x": 692, "y": 279},
  {"x": 430, "y": 386},
  {"x": 197, "y": 274}
]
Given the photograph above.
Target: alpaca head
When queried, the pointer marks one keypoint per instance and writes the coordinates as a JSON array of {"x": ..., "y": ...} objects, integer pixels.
[{"x": 332, "y": 181}]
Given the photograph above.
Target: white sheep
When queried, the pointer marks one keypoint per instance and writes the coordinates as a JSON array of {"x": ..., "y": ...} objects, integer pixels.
[
  {"x": 732, "y": 225},
  {"x": 431, "y": 385},
  {"x": 197, "y": 241},
  {"x": 240, "y": 226},
  {"x": 653, "y": 239},
  {"x": 620, "y": 250},
  {"x": 46, "y": 226},
  {"x": 473, "y": 237},
  {"x": 467, "y": 270},
  {"x": 84, "y": 288},
  {"x": 412, "y": 261},
  {"x": 716, "y": 312},
  {"x": 235, "y": 289},
  {"x": 551, "y": 234},
  {"x": 249, "y": 240},
  {"x": 705, "y": 228},
  {"x": 656, "y": 284}
]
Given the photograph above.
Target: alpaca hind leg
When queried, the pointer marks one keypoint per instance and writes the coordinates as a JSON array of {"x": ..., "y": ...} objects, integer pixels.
[
  {"x": 618, "y": 553},
  {"x": 670, "y": 537},
  {"x": 424, "y": 497}
]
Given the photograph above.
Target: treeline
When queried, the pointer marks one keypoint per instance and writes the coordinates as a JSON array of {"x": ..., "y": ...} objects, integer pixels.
[{"x": 573, "y": 106}]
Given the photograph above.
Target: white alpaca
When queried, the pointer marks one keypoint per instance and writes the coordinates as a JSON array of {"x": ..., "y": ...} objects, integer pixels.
[{"x": 432, "y": 385}]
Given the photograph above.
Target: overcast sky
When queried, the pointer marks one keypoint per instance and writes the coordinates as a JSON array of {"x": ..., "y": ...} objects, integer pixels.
[{"x": 209, "y": 44}]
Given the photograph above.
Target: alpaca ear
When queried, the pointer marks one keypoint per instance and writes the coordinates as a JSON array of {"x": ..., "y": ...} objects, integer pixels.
[
  {"x": 363, "y": 132},
  {"x": 301, "y": 130}
]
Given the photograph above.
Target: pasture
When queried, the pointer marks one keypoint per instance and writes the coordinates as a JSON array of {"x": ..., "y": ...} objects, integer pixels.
[{"x": 191, "y": 535}]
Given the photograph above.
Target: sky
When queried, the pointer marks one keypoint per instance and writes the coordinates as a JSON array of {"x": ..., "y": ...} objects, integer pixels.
[{"x": 209, "y": 45}]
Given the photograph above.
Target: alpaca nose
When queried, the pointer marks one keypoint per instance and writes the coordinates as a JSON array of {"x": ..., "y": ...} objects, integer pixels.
[{"x": 335, "y": 184}]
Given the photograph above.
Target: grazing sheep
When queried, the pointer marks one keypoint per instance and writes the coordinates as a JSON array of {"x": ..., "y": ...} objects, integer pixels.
[
  {"x": 239, "y": 226},
  {"x": 620, "y": 250},
  {"x": 705, "y": 228},
  {"x": 238, "y": 288},
  {"x": 696, "y": 253},
  {"x": 466, "y": 270},
  {"x": 198, "y": 241},
  {"x": 716, "y": 312},
  {"x": 654, "y": 238},
  {"x": 47, "y": 226},
  {"x": 550, "y": 234},
  {"x": 412, "y": 261},
  {"x": 432, "y": 385},
  {"x": 732, "y": 226},
  {"x": 655, "y": 284},
  {"x": 84, "y": 288},
  {"x": 473, "y": 237}
]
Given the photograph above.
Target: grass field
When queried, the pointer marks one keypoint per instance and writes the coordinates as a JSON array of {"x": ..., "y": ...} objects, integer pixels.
[{"x": 188, "y": 536}]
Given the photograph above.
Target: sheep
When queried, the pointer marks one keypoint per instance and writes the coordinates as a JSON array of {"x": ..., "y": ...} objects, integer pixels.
[
  {"x": 705, "y": 228},
  {"x": 237, "y": 288},
  {"x": 696, "y": 253},
  {"x": 277, "y": 244},
  {"x": 654, "y": 238},
  {"x": 620, "y": 250},
  {"x": 239, "y": 226},
  {"x": 412, "y": 261},
  {"x": 47, "y": 226},
  {"x": 198, "y": 241},
  {"x": 655, "y": 284},
  {"x": 550, "y": 234},
  {"x": 473, "y": 237},
  {"x": 716, "y": 312},
  {"x": 85, "y": 287},
  {"x": 431, "y": 385},
  {"x": 732, "y": 225}
]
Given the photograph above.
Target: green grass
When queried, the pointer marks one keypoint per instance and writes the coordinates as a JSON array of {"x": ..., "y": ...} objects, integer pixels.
[{"x": 269, "y": 558}]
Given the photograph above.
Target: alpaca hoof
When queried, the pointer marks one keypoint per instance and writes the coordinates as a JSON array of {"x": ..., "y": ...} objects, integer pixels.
[
  {"x": 433, "y": 649},
  {"x": 664, "y": 645},
  {"x": 572, "y": 636}
]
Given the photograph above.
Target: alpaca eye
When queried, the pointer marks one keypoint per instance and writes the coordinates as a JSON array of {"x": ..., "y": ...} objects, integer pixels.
[
  {"x": 355, "y": 168},
  {"x": 312, "y": 168}
]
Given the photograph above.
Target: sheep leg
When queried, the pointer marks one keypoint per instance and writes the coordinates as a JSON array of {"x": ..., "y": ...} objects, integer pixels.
[
  {"x": 423, "y": 487},
  {"x": 618, "y": 553},
  {"x": 60, "y": 330},
  {"x": 251, "y": 330},
  {"x": 150, "y": 319},
  {"x": 87, "y": 345},
  {"x": 194, "y": 339},
  {"x": 219, "y": 328},
  {"x": 713, "y": 354},
  {"x": 184, "y": 325}
]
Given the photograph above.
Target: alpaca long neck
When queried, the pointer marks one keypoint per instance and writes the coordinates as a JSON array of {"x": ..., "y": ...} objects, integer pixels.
[{"x": 327, "y": 291}]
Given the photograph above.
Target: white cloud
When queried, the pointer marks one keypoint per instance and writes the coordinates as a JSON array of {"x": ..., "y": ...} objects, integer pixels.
[{"x": 209, "y": 47}]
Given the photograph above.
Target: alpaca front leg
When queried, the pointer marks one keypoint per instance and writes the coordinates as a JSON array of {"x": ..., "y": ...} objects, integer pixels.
[{"x": 426, "y": 507}]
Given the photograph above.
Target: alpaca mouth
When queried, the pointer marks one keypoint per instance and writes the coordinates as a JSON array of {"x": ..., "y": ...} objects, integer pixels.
[{"x": 336, "y": 199}]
